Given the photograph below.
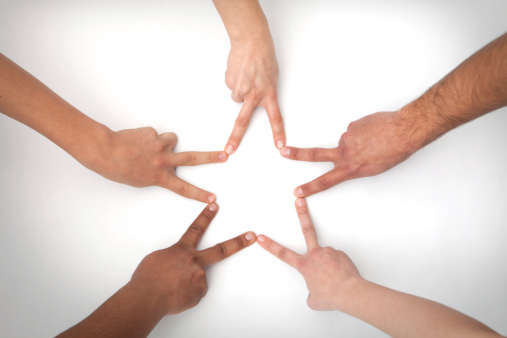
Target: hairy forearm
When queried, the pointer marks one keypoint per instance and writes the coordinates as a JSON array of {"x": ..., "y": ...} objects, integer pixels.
[
  {"x": 402, "y": 315},
  {"x": 126, "y": 314},
  {"x": 477, "y": 86},
  {"x": 243, "y": 19},
  {"x": 27, "y": 100}
]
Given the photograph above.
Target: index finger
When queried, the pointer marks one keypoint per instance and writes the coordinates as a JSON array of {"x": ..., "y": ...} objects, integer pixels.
[
  {"x": 196, "y": 230},
  {"x": 284, "y": 254},
  {"x": 240, "y": 126},
  {"x": 310, "y": 154},
  {"x": 226, "y": 249},
  {"x": 306, "y": 224},
  {"x": 276, "y": 122},
  {"x": 191, "y": 158}
]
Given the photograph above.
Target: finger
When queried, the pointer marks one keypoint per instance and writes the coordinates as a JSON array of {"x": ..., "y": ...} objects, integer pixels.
[
  {"x": 196, "y": 230},
  {"x": 185, "y": 189},
  {"x": 228, "y": 248},
  {"x": 286, "y": 255},
  {"x": 170, "y": 139},
  {"x": 240, "y": 126},
  {"x": 310, "y": 154},
  {"x": 322, "y": 183},
  {"x": 276, "y": 122},
  {"x": 190, "y": 158},
  {"x": 306, "y": 224}
]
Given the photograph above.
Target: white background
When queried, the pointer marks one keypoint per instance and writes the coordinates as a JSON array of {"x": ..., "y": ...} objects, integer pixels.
[{"x": 434, "y": 226}]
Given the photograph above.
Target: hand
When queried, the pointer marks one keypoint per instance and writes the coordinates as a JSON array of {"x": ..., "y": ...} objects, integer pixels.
[
  {"x": 141, "y": 158},
  {"x": 370, "y": 146},
  {"x": 175, "y": 276},
  {"x": 252, "y": 75},
  {"x": 329, "y": 274}
]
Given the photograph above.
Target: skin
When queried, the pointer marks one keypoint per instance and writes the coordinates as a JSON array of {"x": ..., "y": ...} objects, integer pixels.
[
  {"x": 137, "y": 157},
  {"x": 166, "y": 282},
  {"x": 334, "y": 283},
  {"x": 252, "y": 69},
  {"x": 378, "y": 142}
]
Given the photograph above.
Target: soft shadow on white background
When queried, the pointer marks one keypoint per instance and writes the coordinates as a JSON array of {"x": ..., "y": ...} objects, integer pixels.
[{"x": 434, "y": 226}]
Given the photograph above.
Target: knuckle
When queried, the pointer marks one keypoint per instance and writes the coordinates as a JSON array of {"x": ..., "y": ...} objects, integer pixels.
[
  {"x": 239, "y": 242},
  {"x": 307, "y": 229},
  {"x": 313, "y": 154},
  {"x": 277, "y": 118},
  {"x": 282, "y": 254},
  {"x": 196, "y": 228},
  {"x": 242, "y": 121},
  {"x": 324, "y": 183},
  {"x": 190, "y": 159},
  {"x": 221, "y": 250},
  {"x": 182, "y": 190}
]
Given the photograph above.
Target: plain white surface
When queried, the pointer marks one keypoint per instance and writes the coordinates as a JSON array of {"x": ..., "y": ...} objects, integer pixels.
[{"x": 434, "y": 226}]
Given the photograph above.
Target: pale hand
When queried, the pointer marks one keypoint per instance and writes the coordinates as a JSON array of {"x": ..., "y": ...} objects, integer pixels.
[
  {"x": 252, "y": 75},
  {"x": 329, "y": 273}
]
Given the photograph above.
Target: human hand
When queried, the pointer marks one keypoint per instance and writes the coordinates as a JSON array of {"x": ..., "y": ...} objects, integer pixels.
[
  {"x": 252, "y": 75},
  {"x": 329, "y": 274},
  {"x": 141, "y": 158},
  {"x": 175, "y": 278},
  {"x": 370, "y": 146}
]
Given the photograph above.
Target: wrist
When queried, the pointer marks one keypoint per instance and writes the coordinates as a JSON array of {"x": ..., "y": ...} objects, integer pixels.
[{"x": 348, "y": 293}]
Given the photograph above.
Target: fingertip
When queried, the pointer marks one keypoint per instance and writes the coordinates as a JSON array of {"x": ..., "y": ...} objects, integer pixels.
[
  {"x": 280, "y": 144},
  {"x": 285, "y": 152},
  {"x": 229, "y": 149},
  {"x": 298, "y": 192},
  {"x": 261, "y": 239},
  {"x": 300, "y": 202},
  {"x": 222, "y": 156},
  {"x": 211, "y": 198},
  {"x": 250, "y": 237},
  {"x": 213, "y": 207}
]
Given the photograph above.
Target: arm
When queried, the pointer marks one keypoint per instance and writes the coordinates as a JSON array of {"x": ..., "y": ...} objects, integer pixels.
[
  {"x": 252, "y": 69},
  {"x": 137, "y": 157},
  {"x": 378, "y": 142},
  {"x": 166, "y": 282},
  {"x": 334, "y": 283}
]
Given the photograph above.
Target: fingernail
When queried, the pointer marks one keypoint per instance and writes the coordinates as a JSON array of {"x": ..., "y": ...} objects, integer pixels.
[
  {"x": 249, "y": 236},
  {"x": 298, "y": 192},
  {"x": 211, "y": 199},
  {"x": 229, "y": 149},
  {"x": 285, "y": 151},
  {"x": 300, "y": 202},
  {"x": 222, "y": 156},
  {"x": 213, "y": 207},
  {"x": 261, "y": 239},
  {"x": 279, "y": 144}
]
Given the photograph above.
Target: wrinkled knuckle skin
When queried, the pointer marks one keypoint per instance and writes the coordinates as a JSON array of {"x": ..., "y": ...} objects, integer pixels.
[
  {"x": 196, "y": 228},
  {"x": 221, "y": 250},
  {"x": 191, "y": 159},
  {"x": 282, "y": 254},
  {"x": 314, "y": 154},
  {"x": 277, "y": 118},
  {"x": 294, "y": 153},
  {"x": 182, "y": 190},
  {"x": 239, "y": 242},
  {"x": 242, "y": 122},
  {"x": 324, "y": 183}
]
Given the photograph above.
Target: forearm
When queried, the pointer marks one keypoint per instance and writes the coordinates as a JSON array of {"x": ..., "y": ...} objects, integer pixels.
[
  {"x": 244, "y": 20},
  {"x": 125, "y": 314},
  {"x": 27, "y": 100},
  {"x": 402, "y": 315},
  {"x": 477, "y": 86}
]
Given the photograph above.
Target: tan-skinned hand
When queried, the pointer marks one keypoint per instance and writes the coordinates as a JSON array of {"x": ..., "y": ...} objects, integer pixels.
[
  {"x": 370, "y": 146},
  {"x": 141, "y": 158},
  {"x": 327, "y": 272}
]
